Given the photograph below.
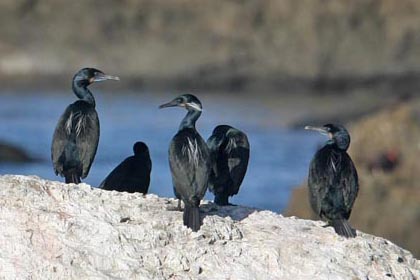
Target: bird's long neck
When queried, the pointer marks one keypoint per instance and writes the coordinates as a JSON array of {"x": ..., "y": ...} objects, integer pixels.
[
  {"x": 342, "y": 140},
  {"x": 190, "y": 119},
  {"x": 81, "y": 91},
  {"x": 339, "y": 145}
]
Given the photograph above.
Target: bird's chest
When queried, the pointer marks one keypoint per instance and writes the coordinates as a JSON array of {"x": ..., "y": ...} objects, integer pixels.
[
  {"x": 191, "y": 151},
  {"x": 334, "y": 163},
  {"x": 80, "y": 117},
  {"x": 328, "y": 165},
  {"x": 76, "y": 123},
  {"x": 188, "y": 150}
]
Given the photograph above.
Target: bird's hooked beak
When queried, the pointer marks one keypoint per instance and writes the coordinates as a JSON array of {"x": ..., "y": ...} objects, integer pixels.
[
  {"x": 99, "y": 77},
  {"x": 321, "y": 129},
  {"x": 173, "y": 103},
  {"x": 176, "y": 103}
]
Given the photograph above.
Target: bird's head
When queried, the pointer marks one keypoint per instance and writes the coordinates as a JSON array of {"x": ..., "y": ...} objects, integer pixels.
[
  {"x": 188, "y": 101},
  {"x": 87, "y": 76},
  {"x": 221, "y": 129},
  {"x": 140, "y": 148},
  {"x": 338, "y": 134}
]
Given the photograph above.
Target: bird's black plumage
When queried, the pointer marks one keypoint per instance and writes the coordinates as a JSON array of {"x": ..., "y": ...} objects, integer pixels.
[
  {"x": 76, "y": 135},
  {"x": 189, "y": 160},
  {"x": 333, "y": 181},
  {"x": 133, "y": 174},
  {"x": 229, "y": 150}
]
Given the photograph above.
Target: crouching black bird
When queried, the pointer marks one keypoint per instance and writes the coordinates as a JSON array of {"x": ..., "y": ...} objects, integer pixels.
[
  {"x": 333, "y": 182},
  {"x": 76, "y": 135},
  {"x": 133, "y": 174},
  {"x": 229, "y": 151},
  {"x": 189, "y": 160}
]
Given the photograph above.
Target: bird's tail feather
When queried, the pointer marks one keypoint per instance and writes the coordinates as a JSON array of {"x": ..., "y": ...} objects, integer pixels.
[
  {"x": 221, "y": 199},
  {"x": 192, "y": 217},
  {"x": 72, "y": 177},
  {"x": 343, "y": 228}
]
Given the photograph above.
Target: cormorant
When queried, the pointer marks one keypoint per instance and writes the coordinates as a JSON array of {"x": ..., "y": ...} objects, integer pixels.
[
  {"x": 133, "y": 174},
  {"x": 333, "y": 182},
  {"x": 229, "y": 150},
  {"x": 76, "y": 135},
  {"x": 189, "y": 160}
]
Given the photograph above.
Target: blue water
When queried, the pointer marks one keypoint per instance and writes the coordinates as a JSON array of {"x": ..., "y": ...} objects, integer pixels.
[{"x": 279, "y": 156}]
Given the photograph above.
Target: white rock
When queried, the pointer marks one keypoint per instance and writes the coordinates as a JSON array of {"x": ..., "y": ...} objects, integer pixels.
[{"x": 49, "y": 230}]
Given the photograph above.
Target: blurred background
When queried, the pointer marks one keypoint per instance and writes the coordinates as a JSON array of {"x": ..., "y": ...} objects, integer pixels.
[{"x": 266, "y": 67}]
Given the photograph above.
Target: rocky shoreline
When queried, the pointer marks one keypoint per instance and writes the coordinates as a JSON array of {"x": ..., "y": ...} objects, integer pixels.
[
  {"x": 55, "y": 231},
  {"x": 230, "y": 45}
]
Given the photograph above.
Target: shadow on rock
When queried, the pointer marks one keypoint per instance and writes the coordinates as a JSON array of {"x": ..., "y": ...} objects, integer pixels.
[{"x": 236, "y": 213}]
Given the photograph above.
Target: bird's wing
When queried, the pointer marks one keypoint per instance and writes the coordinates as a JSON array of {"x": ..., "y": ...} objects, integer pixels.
[
  {"x": 147, "y": 172},
  {"x": 319, "y": 181},
  {"x": 115, "y": 178},
  {"x": 149, "y": 164},
  {"x": 238, "y": 157},
  {"x": 214, "y": 143},
  {"x": 87, "y": 140},
  {"x": 59, "y": 141},
  {"x": 202, "y": 173},
  {"x": 349, "y": 183}
]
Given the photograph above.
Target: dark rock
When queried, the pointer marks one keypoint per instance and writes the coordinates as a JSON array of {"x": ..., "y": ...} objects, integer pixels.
[{"x": 14, "y": 154}]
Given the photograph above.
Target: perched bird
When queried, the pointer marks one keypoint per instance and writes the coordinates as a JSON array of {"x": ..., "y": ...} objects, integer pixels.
[
  {"x": 333, "y": 182},
  {"x": 133, "y": 174},
  {"x": 76, "y": 135},
  {"x": 229, "y": 151},
  {"x": 189, "y": 160}
]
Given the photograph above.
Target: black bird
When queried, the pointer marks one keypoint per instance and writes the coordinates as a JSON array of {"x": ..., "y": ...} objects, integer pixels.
[
  {"x": 76, "y": 135},
  {"x": 229, "y": 150},
  {"x": 133, "y": 174},
  {"x": 333, "y": 182},
  {"x": 189, "y": 160}
]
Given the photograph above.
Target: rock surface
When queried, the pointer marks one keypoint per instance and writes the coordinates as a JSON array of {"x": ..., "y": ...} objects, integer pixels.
[{"x": 50, "y": 230}]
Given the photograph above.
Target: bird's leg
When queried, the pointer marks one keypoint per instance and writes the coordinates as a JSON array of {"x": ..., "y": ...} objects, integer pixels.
[
  {"x": 177, "y": 208},
  {"x": 221, "y": 199},
  {"x": 328, "y": 224}
]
